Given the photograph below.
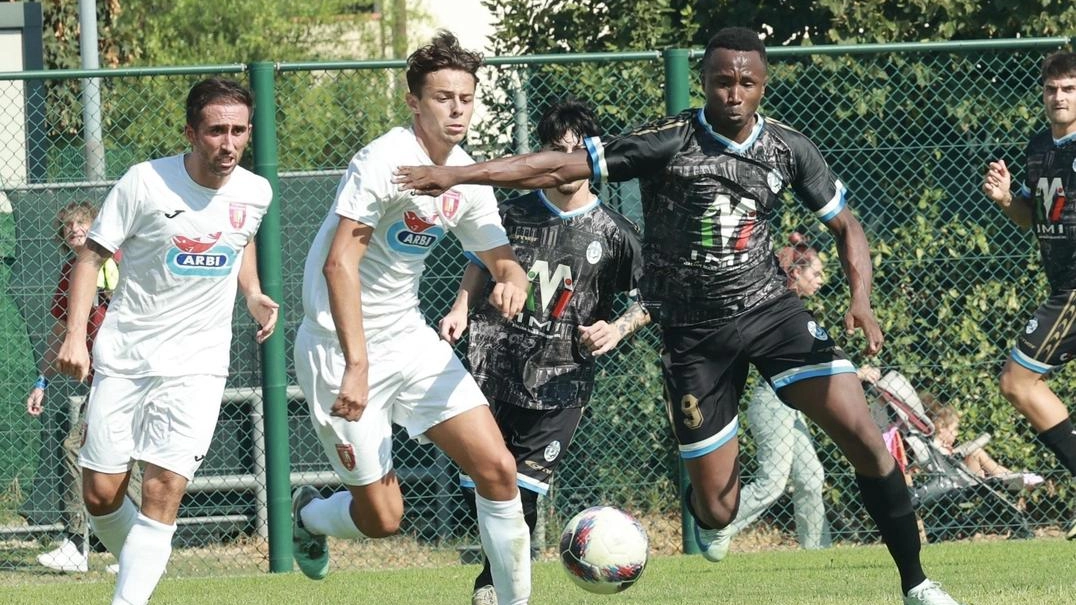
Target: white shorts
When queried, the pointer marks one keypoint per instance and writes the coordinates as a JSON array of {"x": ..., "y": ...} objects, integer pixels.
[
  {"x": 167, "y": 421},
  {"x": 415, "y": 380}
]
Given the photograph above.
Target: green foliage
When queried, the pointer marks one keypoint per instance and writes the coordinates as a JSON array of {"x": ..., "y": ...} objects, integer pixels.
[
  {"x": 116, "y": 46},
  {"x": 621, "y": 93},
  {"x": 174, "y": 32},
  {"x": 143, "y": 116},
  {"x": 915, "y": 20},
  {"x": 328, "y": 116},
  {"x": 525, "y": 26}
]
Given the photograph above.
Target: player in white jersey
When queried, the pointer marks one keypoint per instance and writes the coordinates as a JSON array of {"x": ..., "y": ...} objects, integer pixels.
[
  {"x": 186, "y": 224},
  {"x": 364, "y": 356}
]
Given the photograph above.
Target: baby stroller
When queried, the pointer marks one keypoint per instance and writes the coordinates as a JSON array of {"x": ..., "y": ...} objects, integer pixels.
[{"x": 952, "y": 501}]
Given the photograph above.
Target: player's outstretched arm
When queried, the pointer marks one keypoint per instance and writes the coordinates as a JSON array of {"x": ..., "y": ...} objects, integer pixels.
[
  {"x": 510, "y": 293},
  {"x": 74, "y": 358},
  {"x": 537, "y": 170},
  {"x": 263, "y": 309},
  {"x": 601, "y": 337},
  {"x": 997, "y": 186},
  {"x": 856, "y": 261},
  {"x": 454, "y": 323}
]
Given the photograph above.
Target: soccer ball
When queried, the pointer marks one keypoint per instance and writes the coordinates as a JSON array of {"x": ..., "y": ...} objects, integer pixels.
[{"x": 603, "y": 549}]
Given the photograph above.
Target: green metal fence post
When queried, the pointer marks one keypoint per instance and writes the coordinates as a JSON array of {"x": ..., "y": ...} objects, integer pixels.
[
  {"x": 273, "y": 362},
  {"x": 677, "y": 98}
]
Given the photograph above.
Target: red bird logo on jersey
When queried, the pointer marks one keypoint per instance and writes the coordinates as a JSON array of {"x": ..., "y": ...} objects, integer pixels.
[
  {"x": 416, "y": 223},
  {"x": 196, "y": 246}
]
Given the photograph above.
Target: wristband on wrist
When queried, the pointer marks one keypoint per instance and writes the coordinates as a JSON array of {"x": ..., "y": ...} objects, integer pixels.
[{"x": 41, "y": 383}]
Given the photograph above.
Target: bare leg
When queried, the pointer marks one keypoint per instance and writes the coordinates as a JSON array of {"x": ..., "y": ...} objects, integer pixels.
[
  {"x": 1028, "y": 392},
  {"x": 715, "y": 481},
  {"x": 837, "y": 404},
  {"x": 474, "y": 441}
]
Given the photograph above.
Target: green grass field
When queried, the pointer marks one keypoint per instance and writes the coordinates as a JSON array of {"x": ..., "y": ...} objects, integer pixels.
[{"x": 1033, "y": 572}]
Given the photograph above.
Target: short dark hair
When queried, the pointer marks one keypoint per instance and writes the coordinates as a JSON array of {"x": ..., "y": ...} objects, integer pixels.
[
  {"x": 567, "y": 116},
  {"x": 1059, "y": 65},
  {"x": 212, "y": 91},
  {"x": 735, "y": 38},
  {"x": 444, "y": 52}
]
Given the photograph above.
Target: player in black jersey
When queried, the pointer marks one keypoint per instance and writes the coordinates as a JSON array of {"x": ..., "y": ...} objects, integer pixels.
[
  {"x": 711, "y": 181},
  {"x": 1046, "y": 204},
  {"x": 537, "y": 369}
]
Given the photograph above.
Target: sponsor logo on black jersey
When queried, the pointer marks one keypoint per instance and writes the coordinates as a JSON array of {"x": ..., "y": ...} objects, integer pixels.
[
  {"x": 1052, "y": 194},
  {"x": 548, "y": 295}
]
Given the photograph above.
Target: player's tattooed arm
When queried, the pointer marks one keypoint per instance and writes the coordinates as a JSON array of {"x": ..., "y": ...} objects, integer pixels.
[
  {"x": 602, "y": 337},
  {"x": 634, "y": 318}
]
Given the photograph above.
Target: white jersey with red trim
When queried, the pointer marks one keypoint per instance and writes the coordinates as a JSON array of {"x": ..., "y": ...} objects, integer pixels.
[
  {"x": 171, "y": 313},
  {"x": 406, "y": 229}
]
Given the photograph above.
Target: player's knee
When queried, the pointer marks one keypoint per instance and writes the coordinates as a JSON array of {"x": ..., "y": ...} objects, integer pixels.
[
  {"x": 499, "y": 472},
  {"x": 101, "y": 499},
  {"x": 1014, "y": 387}
]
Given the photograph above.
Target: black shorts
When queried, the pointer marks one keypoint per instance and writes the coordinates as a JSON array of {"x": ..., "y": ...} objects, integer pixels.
[
  {"x": 1049, "y": 338},
  {"x": 706, "y": 367},
  {"x": 537, "y": 439}
]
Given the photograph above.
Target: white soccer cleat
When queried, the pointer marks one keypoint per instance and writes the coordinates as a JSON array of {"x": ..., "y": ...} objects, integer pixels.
[
  {"x": 66, "y": 557},
  {"x": 929, "y": 593},
  {"x": 484, "y": 595},
  {"x": 714, "y": 543}
]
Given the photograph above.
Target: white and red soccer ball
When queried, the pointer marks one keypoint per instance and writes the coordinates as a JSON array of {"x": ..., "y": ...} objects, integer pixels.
[{"x": 604, "y": 549}]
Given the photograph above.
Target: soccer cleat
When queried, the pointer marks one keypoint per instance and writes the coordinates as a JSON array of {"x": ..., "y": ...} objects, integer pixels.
[
  {"x": 929, "y": 593},
  {"x": 484, "y": 595},
  {"x": 311, "y": 551},
  {"x": 66, "y": 557},
  {"x": 113, "y": 569},
  {"x": 713, "y": 542}
]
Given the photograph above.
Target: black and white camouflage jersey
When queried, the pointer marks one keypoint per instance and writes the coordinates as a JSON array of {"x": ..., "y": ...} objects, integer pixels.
[
  {"x": 576, "y": 263},
  {"x": 1050, "y": 186},
  {"x": 707, "y": 204}
]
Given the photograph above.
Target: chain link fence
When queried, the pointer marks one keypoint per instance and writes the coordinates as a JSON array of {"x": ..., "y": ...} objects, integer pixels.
[{"x": 908, "y": 128}]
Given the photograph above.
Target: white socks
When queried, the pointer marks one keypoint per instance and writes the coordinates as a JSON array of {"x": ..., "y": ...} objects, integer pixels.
[
  {"x": 331, "y": 517},
  {"x": 112, "y": 528},
  {"x": 142, "y": 561},
  {"x": 506, "y": 541}
]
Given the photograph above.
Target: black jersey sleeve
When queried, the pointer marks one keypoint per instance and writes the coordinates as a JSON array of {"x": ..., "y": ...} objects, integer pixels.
[
  {"x": 630, "y": 261},
  {"x": 1026, "y": 188},
  {"x": 640, "y": 152},
  {"x": 812, "y": 180}
]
